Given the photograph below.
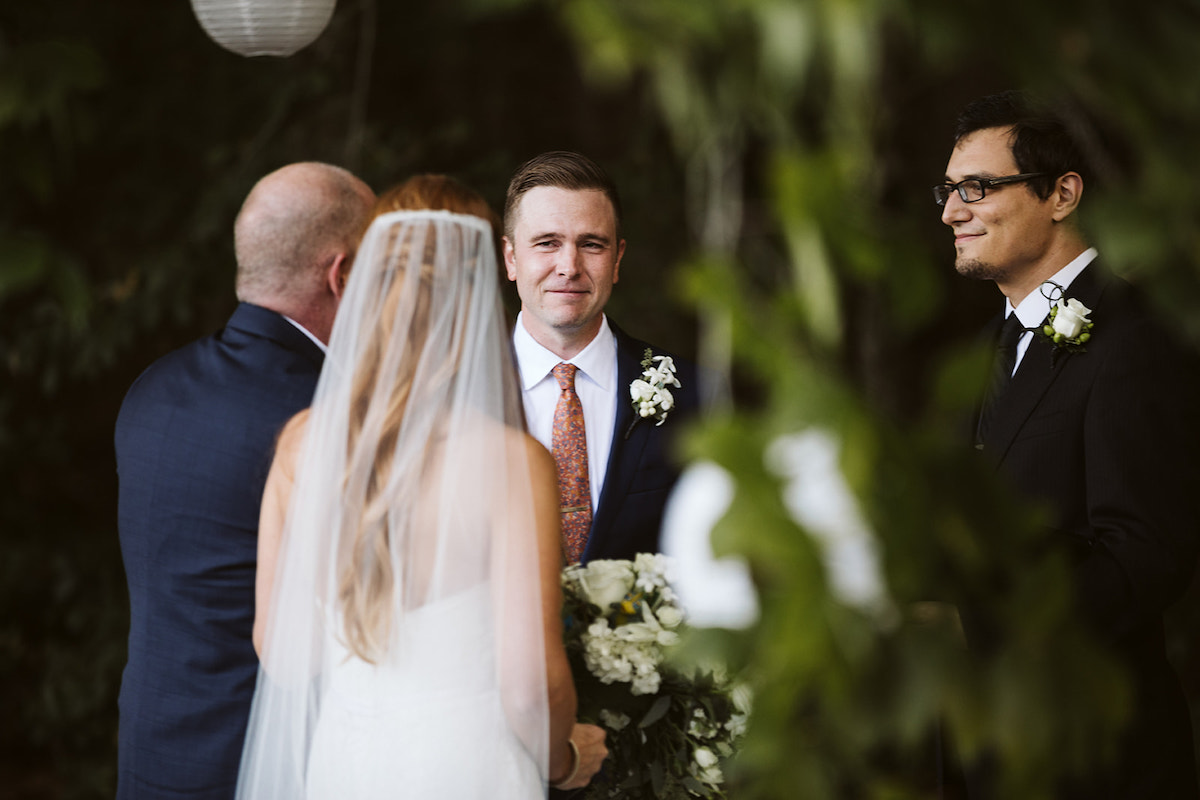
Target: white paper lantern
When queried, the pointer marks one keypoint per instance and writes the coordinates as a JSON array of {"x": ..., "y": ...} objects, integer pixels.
[{"x": 263, "y": 27}]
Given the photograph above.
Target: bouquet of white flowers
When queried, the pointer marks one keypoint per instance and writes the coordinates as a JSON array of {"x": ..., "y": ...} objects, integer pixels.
[{"x": 667, "y": 731}]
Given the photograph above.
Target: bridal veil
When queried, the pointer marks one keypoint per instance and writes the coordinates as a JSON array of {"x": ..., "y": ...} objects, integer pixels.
[{"x": 404, "y": 647}]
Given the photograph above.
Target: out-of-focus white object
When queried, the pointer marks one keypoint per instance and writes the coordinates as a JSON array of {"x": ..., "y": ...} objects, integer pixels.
[
  {"x": 715, "y": 593},
  {"x": 819, "y": 500},
  {"x": 263, "y": 27}
]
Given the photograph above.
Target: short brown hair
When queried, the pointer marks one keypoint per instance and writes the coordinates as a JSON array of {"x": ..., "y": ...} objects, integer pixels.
[
  {"x": 561, "y": 169},
  {"x": 1039, "y": 137}
]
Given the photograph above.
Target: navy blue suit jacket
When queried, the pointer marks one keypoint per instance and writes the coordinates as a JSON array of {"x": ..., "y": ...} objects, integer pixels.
[
  {"x": 642, "y": 468},
  {"x": 1106, "y": 441},
  {"x": 194, "y": 440}
]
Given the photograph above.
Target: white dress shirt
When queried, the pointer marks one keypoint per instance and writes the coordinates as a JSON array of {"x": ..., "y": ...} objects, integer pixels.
[
  {"x": 595, "y": 383},
  {"x": 1033, "y": 309}
]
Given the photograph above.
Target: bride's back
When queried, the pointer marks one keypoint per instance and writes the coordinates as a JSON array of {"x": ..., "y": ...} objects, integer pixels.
[{"x": 407, "y": 612}]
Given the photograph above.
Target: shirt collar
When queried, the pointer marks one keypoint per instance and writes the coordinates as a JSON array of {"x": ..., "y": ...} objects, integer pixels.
[
  {"x": 1034, "y": 309},
  {"x": 308, "y": 333},
  {"x": 596, "y": 360}
]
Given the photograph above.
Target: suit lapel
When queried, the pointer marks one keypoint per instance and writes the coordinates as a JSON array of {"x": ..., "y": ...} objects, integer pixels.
[
  {"x": 1039, "y": 369},
  {"x": 1033, "y": 377},
  {"x": 626, "y": 452}
]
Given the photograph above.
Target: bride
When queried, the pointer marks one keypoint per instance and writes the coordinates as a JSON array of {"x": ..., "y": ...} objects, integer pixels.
[{"x": 408, "y": 619}]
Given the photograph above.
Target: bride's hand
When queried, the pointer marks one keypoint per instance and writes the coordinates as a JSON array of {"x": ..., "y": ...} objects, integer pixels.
[{"x": 589, "y": 741}]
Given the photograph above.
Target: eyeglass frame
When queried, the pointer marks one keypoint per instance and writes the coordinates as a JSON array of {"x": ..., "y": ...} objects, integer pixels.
[{"x": 984, "y": 185}]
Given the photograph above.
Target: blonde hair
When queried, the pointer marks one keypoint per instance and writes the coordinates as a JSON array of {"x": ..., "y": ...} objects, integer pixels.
[{"x": 366, "y": 580}]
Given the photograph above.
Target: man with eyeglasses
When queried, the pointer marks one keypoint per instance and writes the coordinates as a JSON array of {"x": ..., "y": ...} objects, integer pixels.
[{"x": 1092, "y": 414}]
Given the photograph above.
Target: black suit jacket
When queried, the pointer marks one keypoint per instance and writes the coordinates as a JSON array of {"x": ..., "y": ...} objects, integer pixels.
[
  {"x": 1107, "y": 440},
  {"x": 194, "y": 441},
  {"x": 642, "y": 468}
]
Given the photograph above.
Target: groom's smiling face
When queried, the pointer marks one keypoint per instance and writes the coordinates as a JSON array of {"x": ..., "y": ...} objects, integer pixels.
[{"x": 565, "y": 256}]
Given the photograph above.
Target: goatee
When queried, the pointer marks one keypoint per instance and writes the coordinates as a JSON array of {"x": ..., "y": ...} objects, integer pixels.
[{"x": 980, "y": 270}]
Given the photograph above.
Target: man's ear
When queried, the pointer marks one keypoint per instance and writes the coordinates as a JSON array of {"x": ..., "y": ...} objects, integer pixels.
[
  {"x": 336, "y": 275},
  {"x": 617, "y": 263},
  {"x": 1068, "y": 190},
  {"x": 510, "y": 259}
]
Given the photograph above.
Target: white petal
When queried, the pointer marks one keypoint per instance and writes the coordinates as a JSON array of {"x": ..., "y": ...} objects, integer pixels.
[{"x": 717, "y": 593}]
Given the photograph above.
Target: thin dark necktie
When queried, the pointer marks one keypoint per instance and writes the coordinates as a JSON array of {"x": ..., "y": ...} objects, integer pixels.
[
  {"x": 568, "y": 444},
  {"x": 1002, "y": 369}
]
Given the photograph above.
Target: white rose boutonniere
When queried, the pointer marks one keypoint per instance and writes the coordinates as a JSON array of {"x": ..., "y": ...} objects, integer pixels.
[
  {"x": 652, "y": 399},
  {"x": 1068, "y": 327},
  {"x": 1069, "y": 320}
]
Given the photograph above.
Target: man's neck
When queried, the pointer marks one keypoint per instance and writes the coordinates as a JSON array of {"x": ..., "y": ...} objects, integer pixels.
[
  {"x": 316, "y": 319},
  {"x": 1055, "y": 259}
]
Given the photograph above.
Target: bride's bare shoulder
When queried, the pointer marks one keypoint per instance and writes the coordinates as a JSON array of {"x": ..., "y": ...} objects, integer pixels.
[
  {"x": 531, "y": 450},
  {"x": 298, "y": 421},
  {"x": 287, "y": 446}
]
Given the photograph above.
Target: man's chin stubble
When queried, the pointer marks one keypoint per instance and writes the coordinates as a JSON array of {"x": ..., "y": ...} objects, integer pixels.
[{"x": 979, "y": 270}]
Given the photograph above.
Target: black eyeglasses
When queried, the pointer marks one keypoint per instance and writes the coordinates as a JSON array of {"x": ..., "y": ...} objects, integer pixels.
[{"x": 972, "y": 190}]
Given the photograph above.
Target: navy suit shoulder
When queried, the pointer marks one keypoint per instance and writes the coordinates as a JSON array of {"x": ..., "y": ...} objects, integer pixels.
[
  {"x": 642, "y": 466},
  {"x": 194, "y": 441}
]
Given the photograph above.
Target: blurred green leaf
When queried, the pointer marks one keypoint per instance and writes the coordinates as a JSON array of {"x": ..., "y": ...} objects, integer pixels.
[{"x": 24, "y": 262}]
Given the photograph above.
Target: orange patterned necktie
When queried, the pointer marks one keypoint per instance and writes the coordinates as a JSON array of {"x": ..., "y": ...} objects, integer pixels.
[{"x": 569, "y": 446}]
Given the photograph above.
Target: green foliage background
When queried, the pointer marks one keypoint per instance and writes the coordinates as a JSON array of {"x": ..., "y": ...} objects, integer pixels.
[{"x": 773, "y": 157}]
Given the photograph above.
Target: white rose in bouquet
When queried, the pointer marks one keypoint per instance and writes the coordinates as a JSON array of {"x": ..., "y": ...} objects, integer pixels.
[{"x": 606, "y": 582}]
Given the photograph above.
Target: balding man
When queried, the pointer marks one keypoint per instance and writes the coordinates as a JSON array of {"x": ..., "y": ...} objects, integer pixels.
[{"x": 194, "y": 440}]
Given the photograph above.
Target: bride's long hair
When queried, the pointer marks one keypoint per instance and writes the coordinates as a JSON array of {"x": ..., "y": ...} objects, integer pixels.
[
  {"x": 366, "y": 582},
  {"x": 412, "y": 492}
]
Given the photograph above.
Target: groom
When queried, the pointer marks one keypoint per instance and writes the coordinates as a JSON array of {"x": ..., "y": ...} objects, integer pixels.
[
  {"x": 563, "y": 248},
  {"x": 1100, "y": 429},
  {"x": 194, "y": 439}
]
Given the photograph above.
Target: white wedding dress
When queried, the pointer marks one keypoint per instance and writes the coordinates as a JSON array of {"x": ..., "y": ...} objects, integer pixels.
[{"x": 408, "y": 726}]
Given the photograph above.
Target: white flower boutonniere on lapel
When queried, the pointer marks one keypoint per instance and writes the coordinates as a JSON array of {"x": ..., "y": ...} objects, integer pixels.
[
  {"x": 1068, "y": 327},
  {"x": 652, "y": 399}
]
